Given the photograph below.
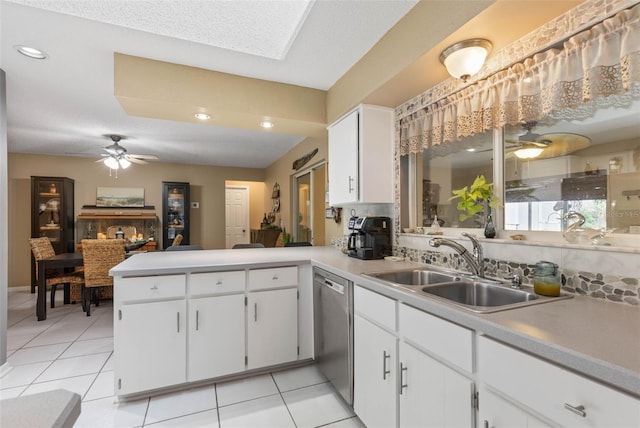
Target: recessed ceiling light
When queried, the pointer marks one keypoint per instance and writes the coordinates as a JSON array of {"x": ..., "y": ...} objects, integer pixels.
[
  {"x": 202, "y": 116},
  {"x": 266, "y": 124},
  {"x": 471, "y": 149},
  {"x": 31, "y": 52}
]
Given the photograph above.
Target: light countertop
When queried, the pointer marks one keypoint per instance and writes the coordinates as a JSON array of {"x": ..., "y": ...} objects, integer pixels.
[{"x": 595, "y": 338}]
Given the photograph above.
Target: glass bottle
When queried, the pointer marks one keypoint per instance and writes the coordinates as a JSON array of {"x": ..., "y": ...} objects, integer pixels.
[{"x": 546, "y": 280}]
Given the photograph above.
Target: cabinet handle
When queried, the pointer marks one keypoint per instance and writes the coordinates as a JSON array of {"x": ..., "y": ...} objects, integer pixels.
[
  {"x": 178, "y": 320},
  {"x": 486, "y": 423},
  {"x": 351, "y": 180},
  {"x": 403, "y": 385},
  {"x": 578, "y": 410},
  {"x": 155, "y": 287},
  {"x": 255, "y": 312},
  {"x": 275, "y": 277},
  {"x": 385, "y": 372},
  {"x": 197, "y": 319},
  {"x": 219, "y": 282}
]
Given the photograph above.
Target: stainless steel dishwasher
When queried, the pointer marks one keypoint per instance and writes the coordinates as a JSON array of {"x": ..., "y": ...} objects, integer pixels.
[{"x": 333, "y": 329}]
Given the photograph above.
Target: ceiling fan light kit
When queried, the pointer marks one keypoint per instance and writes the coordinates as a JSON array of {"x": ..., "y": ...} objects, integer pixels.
[
  {"x": 464, "y": 59},
  {"x": 117, "y": 156},
  {"x": 528, "y": 152}
]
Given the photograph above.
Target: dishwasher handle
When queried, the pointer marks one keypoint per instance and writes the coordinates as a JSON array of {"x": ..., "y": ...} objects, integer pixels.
[{"x": 338, "y": 288}]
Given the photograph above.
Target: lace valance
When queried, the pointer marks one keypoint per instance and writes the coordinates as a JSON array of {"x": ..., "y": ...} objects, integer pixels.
[{"x": 599, "y": 67}]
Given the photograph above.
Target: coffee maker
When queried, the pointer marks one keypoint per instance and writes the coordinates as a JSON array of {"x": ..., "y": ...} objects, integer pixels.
[{"x": 370, "y": 238}]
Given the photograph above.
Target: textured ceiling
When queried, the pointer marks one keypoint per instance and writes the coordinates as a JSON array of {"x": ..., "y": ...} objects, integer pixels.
[{"x": 239, "y": 26}]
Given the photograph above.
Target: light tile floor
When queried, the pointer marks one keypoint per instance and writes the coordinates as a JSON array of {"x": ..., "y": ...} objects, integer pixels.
[{"x": 72, "y": 351}]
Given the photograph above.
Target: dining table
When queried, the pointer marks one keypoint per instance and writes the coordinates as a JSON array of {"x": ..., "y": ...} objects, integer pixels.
[{"x": 58, "y": 262}]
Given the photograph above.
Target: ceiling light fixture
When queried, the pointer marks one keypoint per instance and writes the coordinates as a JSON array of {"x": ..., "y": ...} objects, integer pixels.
[
  {"x": 528, "y": 152},
  {"x": 31, "y": 52},
  {"x": 116, "y": 162},
  {"x": 202, "y": 116},
  {"x": 267, "y": 124},
  {"x": 465, "y": 58}
]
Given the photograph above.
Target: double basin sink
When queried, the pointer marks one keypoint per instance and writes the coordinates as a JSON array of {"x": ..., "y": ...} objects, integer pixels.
[{"x": 473, "y": 293}]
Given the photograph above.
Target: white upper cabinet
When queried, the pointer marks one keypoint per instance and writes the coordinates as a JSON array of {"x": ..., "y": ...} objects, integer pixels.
[{"x": 361, "y": 156}]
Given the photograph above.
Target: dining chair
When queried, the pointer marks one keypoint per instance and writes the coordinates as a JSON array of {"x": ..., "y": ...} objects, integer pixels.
[
  {"x": 177, "y": 240},
  {"x": 99, "y": 256},
  {"x": 183, "y": 248},
  {"x": 41, "y": 248},
  {"x": 252, "y": 245}
]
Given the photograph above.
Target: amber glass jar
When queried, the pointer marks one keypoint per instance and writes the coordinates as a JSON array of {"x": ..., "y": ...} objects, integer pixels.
[{"x": 546, "y": 280}]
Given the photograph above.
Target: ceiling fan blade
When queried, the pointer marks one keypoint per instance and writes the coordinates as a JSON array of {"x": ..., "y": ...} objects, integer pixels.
[
  {"x": 151, "y": 157},
  {"x": 138, "y": 161},
  {"x": 100, "y": 160}
]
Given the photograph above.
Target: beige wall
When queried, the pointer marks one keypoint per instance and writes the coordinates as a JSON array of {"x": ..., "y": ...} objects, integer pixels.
[{"x": 207, "y": 188}]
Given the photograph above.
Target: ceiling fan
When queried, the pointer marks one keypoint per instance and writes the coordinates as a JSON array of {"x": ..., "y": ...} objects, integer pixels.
[
  {"x": 531, "y": 145},
  {"x": 117, "y": 156}
]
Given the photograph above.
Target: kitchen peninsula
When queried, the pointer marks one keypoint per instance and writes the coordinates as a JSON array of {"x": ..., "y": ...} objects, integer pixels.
[{"x": 591, "y": 343}]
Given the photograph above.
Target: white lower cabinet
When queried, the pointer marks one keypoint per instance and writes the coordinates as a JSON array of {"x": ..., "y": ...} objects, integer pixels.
[
  {"x": 170, "y": 330},
  {"x": 561, "y": 396},
  {"x": 432, "y": 395},
  {"x": 397, "y": 384},
  {"x": 498, "y": 413},
  {"x": 374, "y": 374},
  {"x": 216, "y": 336},
  {"x": 272, "y": 327},
  {"x": 150, "y": 346}
]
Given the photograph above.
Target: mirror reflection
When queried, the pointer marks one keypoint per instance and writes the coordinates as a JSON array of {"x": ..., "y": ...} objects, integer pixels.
[
  {"x": 435, "y": 172},
  {"x": 579, "y": 178}
]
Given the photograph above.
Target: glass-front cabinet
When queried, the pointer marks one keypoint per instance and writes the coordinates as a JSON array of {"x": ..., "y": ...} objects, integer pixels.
[
  {"x": 175, "y": 212},
  {"x": 52, "y": 213}
]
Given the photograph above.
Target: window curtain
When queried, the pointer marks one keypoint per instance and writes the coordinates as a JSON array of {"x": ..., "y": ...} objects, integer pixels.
[{"x": 597, "y": 68}]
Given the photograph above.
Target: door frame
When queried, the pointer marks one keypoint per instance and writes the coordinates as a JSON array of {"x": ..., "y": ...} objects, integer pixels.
[{"x": 294, "y": 198}]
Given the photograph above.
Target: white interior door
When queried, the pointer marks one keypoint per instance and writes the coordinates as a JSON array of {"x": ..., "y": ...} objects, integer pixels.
[{"x": 236, "y": 215}]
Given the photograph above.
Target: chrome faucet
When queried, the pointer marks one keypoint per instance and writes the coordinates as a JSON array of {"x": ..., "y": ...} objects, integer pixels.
[{"x": 475, "y": 260}]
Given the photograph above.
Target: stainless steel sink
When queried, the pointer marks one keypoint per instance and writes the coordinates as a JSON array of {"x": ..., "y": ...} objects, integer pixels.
[
  {"x": 486, "y": 297},
  {"x": 480, "y": 295},
  {"x": 415, "y": 277}
]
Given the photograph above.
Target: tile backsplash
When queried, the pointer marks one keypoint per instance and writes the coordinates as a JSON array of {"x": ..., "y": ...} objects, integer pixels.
[{"x": 618, "y": 280}]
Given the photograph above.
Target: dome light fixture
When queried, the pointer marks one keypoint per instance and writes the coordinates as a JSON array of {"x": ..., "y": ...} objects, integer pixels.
[
  {"x": 465, "y": 58},
  {"x": 202, "y": 116},
  {"x": 528, "y": 152},
  {"x": 31, "y": 52},
  {"x": 267, "y": 124}
]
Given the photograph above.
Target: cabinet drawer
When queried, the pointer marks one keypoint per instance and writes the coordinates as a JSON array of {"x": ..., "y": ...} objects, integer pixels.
[
  {"x": 442, "y": 338},
  {"x": 375, "y": 307},
  {"x": 216, "y": 282},
  {"x": 546, "y": 388},
  {"x": 262, "y": 279},
  {"x": 150, "y": 288}
]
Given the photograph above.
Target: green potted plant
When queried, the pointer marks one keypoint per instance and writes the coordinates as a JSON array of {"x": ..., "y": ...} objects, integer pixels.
[{"x": 475, "y": 200}]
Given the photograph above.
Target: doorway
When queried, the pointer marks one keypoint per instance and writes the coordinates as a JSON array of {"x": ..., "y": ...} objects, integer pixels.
[
  {"x": 236, "y": 215},
  {"x": 308, "y": 205}
]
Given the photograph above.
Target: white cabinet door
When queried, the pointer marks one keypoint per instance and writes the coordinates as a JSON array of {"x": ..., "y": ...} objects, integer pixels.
[
  {"x": 432, "y": 395},
  {"x": 374, "y": 371},
  {"x": 150, "y": 346},
  {"x": 272, "y": 327},
  {"x": 216, "y": 337},
  {"x": 343, "y": 160},
  {"x": 498, "y": 413}
]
